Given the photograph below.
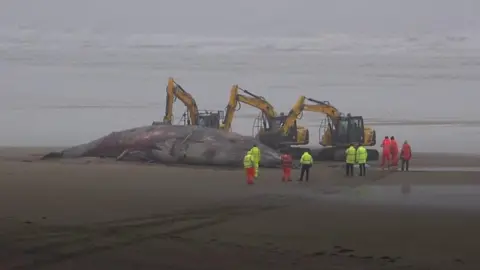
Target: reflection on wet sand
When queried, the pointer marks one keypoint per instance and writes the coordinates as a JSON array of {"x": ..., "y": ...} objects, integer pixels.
[{"x": 465, "y": 197}]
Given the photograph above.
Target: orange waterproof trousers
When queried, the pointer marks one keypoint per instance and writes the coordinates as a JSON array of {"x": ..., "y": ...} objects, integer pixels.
[
  {"x": 287, "y": 172},
  {"x": 250, "y": 172},
  {"x": 385, "y": 159}
]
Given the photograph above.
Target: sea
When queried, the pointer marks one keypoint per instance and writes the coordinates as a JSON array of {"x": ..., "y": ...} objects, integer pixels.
[{"x": 72, "y": 71}]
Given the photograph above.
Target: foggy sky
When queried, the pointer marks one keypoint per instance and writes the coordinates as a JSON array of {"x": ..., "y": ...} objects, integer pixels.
[{"x": 245, "y": 17}]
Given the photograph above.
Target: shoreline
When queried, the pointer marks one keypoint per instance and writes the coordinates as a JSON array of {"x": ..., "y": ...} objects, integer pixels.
[{"x": 420, "y": 159}]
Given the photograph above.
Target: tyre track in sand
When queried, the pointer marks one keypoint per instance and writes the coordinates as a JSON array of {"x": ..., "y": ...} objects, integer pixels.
[{"x": 46, "y": 245}]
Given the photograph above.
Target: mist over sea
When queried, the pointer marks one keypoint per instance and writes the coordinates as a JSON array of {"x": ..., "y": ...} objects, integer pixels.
[{"x": 71, "y": 71}]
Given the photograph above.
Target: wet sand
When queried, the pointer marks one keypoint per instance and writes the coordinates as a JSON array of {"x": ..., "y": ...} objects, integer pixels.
[{"x": 100, "y": 214}]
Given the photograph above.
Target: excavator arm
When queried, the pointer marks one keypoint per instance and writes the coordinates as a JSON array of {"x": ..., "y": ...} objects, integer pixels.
[
  {"x": 282, "y": 130},
  {"x": 322, "y": 107},
  {"x": 293, "y": 115},
  {"x": 175, "y": 91},
  {"x": 338, "y": 119},
  {"x": 230, "y": 109},
  {"x": 338, "y": 131},
  {"x": 247, "y": 98},
  {"x": 299, "y": 107},
  {"x": 277, "y": 130}
]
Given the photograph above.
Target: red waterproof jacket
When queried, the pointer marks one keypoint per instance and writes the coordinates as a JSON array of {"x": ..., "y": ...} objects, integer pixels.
[
  {"x": 393, "y": 146},
  {"x": 386, "y": 144},
  {"x": 406, "y": 151},
  {"x": 286, "y": 161}
]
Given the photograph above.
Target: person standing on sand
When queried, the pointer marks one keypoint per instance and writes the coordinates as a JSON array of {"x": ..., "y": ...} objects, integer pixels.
[
  {"x": 351, "y": 155},
  {"x": 287, "y": 167},
  {"x": 386, "y": 152},
  {"x": 394, "y": 151},
  {"x": 361, "y": 158},
  {"x": 406, "y": 155},
  {"x": 249, "y": 165},
  {"x": 306, "y": 162},
  {"x": 255, "y": 152}
]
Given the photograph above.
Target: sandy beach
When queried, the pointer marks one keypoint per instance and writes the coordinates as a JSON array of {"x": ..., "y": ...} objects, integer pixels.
[
  {"x": 101, "y": 214},
  {"x": 75, "y": 71}
]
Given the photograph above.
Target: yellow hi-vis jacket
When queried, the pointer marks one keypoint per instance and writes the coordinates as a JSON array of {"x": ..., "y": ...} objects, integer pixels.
[
  {"x": 248, "y": 161},
  {"x": 362, "y": 155},
  {"x": 255, "y": 154},
  {"x": 306, "y": 159},
  {"x": 351, "y": 153}
]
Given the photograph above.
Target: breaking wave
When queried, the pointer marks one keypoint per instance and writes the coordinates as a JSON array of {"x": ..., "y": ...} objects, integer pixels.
[{"x": 30, "y": 39}]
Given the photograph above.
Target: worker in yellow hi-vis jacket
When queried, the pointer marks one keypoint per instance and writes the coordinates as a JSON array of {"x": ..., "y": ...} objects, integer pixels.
[{"x": 256, "y": 156}]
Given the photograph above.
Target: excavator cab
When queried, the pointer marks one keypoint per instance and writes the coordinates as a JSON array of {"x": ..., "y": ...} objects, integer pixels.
[
  {"x": 342, "y": 131},
  {"x": 205, "y": 118},
  {"x": 211, "y": 119},
  {"x": 349, "y": 130},
  {"x": 345, "y": 130}
]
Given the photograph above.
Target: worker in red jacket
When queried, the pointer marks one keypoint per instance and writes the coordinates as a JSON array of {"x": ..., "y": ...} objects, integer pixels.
[
  {"x": 386, "y": 145},
  {"x": 406, "y": 155},
  {"x": 394, "y": 151},
  {"x": 287, "y": 167}
]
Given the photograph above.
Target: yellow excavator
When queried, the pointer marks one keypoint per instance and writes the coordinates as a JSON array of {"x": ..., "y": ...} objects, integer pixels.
[
  {"x": 272, "y": 122},
  {"x": 337, "y": 131},
  {"x": 193, "y": 116}
]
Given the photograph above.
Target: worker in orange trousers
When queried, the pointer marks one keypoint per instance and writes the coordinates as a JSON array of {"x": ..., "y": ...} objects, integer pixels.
[
  {"x": 249, "y": 166},
  {"x": 286, "y": 167},
  {"x": 394, "y": 151},
  {"x": 386, "y": 145}
]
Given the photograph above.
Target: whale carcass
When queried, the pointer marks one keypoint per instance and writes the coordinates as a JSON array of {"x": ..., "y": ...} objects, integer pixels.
[{"x": 173, "y": 144}]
